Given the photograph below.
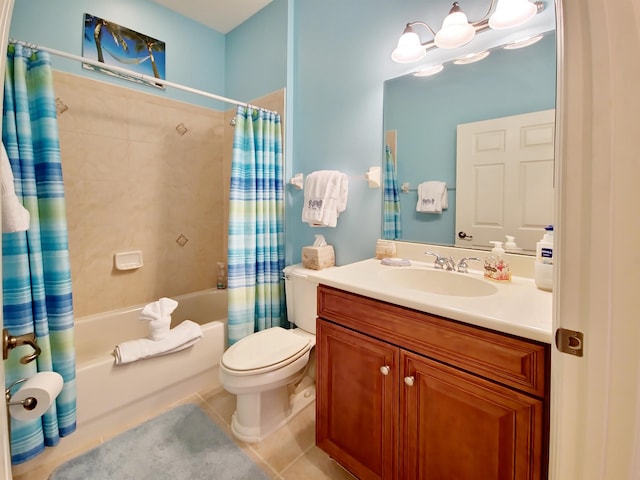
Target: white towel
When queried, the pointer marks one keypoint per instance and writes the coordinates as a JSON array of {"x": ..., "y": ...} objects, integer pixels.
[
  {"x": 181, "y": 337},
  {"x": 325, "y": 197},
  {"x": 159, "y": 316},
  {"x": 432, "y": 197},
  {"x": 15, "y": 218}
]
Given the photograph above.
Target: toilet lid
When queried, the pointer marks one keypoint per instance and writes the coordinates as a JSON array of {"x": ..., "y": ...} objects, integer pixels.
[{"x": 263, "y": 349}]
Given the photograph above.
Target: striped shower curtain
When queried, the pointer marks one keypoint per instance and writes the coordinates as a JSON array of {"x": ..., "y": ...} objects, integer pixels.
[
  {"x": 256, "y": 225},
  {"x": 391, "y": 226},
  {"x": 36, "y": 276}
]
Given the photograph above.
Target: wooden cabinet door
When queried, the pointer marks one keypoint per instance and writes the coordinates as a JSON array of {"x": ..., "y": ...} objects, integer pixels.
[
  {"x": 357, "y": 401},
  {"x": 461, "y": 427}
]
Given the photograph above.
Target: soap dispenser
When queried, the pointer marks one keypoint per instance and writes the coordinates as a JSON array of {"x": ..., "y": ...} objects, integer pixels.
[
  {"x": 220, "y": 277},
  {"x": 496, "y": 267},
  {"x": 543, "y": 272},
  {"x": 510, "y": 244}
]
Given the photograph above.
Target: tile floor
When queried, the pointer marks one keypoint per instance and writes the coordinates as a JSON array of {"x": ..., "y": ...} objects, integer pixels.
[{"x": 288, "y": 454}]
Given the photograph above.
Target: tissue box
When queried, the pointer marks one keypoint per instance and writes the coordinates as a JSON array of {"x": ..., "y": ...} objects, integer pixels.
[{"x": 317, "y": 258}]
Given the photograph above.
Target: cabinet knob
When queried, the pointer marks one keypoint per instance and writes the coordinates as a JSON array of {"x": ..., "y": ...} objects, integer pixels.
[
  {"x": 385, "y": 370},
  {"x": 409, "y": 381}
]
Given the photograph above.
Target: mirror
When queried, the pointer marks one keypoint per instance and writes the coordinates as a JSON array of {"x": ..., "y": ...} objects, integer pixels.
[{"x": 421, "y": 115}]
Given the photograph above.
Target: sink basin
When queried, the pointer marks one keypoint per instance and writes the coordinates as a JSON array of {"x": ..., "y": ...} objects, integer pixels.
[{"x": 439, "y": 282}]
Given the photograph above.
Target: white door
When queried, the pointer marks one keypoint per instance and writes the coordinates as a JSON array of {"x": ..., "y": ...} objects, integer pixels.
[
  {"x": 504, "y": 183},
  {"x": 6, "y": 8}
]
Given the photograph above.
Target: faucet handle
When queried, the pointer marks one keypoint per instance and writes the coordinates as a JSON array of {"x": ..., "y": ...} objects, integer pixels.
[
  {"x": 439, "y": 262},
  {"x": 462, "y": 265}
]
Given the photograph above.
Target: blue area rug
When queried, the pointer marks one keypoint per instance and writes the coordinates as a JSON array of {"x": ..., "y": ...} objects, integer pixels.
[{"x": 181, "y": 444}]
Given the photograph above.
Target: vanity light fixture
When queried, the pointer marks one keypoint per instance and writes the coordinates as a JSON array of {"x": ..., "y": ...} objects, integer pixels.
[
  {"x": 471, "y": 58},
  {"x": 428, "y": 71},
  {"x": 525, "y": 42},
  {"x": 457, "y": 31}
]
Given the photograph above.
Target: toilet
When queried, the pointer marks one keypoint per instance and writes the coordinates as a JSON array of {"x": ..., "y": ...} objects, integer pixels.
[{"x": 270, "y": 371}]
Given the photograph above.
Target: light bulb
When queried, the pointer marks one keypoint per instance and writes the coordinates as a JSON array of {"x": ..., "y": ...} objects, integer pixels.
[
  {"x": 511, "y": 13},
  {"x": 428, "y": 71},
  {"x": 409, "y": 49},
  {"x": 455, "y": 32}
]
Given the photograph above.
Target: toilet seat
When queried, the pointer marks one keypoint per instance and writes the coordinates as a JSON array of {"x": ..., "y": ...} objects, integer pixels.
[{"x": 264, "y": 351}]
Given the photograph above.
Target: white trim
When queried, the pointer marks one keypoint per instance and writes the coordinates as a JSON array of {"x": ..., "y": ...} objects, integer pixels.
[
  {"x": 595, "y": 410},
  {"x": 6, "y": 10}
]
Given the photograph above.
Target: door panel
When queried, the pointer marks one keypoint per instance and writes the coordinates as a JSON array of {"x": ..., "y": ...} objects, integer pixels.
[
  {"x": 504, "y": 182},
  {"x": 357, "y": 404},
  {"x": 458, "y": 426}
]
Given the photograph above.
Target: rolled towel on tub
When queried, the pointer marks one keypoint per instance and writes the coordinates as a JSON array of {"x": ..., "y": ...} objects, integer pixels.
[
  {"x": 179, "y": 338},
  {"x": 159, "y": 316}
]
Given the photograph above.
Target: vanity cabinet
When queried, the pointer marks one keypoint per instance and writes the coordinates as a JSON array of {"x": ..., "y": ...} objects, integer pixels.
[{"x": 404, "y": 395}]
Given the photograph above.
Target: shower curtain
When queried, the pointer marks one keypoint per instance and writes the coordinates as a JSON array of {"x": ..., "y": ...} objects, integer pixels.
[
  {"x": 256, "y": 225},
  {"x": 391, "y": 226},
  {"x": 36, "y": 276}
]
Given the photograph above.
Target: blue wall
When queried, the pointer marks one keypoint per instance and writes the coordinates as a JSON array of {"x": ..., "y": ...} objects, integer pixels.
[
  {"x": 195, "y": 54},
  {"x": 341, "y": 59},
  {"x": 337, "y": 60},
  {"x": 256, "y": 54},
  {"x": 247, "y": 63}
]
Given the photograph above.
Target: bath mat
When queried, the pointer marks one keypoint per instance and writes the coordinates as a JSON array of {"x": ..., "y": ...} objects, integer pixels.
[{"x": 181, "y": 444}]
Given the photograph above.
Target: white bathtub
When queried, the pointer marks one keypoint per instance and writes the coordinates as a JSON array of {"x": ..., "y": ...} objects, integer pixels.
[{"x": 110, "y": 397}]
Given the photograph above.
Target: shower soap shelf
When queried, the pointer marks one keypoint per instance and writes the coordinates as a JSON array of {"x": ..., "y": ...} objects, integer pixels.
[{"x": 128, "y": 260}]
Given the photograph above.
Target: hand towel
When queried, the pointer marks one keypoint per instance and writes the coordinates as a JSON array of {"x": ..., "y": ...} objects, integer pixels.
[
  {"x": 432, "y": 197},
  {"x": 15, "y": 218},
  {"x": 159, "y": 316},
  {"x": 179, "y": 338},
  {"x": 325, "y": 197}
]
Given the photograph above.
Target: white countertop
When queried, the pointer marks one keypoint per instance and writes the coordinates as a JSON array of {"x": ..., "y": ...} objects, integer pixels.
[{"x": 518, "y": 307}]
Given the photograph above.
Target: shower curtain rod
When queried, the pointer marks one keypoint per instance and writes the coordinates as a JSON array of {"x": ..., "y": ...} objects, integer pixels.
[{"x": 140, "y": 76}]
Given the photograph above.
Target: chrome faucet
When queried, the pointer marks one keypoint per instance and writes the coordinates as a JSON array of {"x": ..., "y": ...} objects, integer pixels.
[
  {"x": 449, "y": 264},
  {"x": 463, "y": 266},
  {"x": 439, "y": 262},
  {"x": 442, "y": 263}
]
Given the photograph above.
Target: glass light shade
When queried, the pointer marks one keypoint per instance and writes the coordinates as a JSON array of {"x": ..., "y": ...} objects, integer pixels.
[
  {"x": 409, "y": 49},
  {"x": 471, "y": 58},
  {"x": 525, "y": 42},
  {"x": 455, "y": 32},
  {"x": 428, "y": 71},
  {"x": 511, "y": 13}
]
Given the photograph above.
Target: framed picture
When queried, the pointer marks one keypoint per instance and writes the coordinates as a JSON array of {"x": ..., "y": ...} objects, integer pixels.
[{"x": 112, "y": 44}]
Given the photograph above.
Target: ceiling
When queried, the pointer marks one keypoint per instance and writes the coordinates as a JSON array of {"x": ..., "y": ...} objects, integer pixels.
[{"x": 220, "y": 15}]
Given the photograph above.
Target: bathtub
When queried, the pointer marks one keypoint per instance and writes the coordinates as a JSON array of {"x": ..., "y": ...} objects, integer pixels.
[{"x": 110, "y": 396}]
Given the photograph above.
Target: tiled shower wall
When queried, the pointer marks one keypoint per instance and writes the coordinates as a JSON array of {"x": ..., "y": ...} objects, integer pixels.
[{"x": 142, "y": 172}]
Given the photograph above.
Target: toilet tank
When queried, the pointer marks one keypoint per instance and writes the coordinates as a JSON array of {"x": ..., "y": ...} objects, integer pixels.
[{"x": 302, "y": 297}]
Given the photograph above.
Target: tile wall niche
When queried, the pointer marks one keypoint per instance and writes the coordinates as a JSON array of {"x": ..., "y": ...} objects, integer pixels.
[{"x": 140, "y": 171}]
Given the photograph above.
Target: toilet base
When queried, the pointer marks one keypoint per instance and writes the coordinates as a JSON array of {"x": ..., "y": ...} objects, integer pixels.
[{"x": 258, "y": 415}]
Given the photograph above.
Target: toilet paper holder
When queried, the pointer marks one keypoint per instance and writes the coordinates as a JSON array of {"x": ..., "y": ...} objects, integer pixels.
[
  {"x": 10, "y": 342},
  {"x": 28, "y": 403}
]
